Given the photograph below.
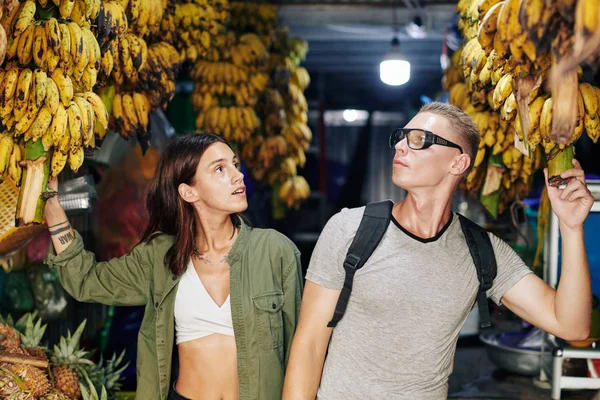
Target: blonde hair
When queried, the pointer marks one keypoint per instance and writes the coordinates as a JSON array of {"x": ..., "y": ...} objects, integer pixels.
[{"x": 460, "y": 122}]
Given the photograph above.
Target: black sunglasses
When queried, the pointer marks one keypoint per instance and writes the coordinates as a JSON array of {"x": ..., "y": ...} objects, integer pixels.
[{"x": 419, "y": 139}]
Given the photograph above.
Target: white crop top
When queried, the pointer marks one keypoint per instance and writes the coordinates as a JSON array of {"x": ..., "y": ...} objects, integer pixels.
[{"x": 196, "y": 313}]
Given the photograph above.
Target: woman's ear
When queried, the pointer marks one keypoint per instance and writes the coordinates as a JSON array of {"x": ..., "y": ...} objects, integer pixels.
[{"x": 187, "y": 193}]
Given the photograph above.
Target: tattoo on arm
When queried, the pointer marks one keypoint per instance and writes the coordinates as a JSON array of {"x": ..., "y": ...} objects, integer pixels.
[
  {"x": 64, "y": 239},
  {"x": 57, "y": 225},
  {"x": 60, "y": 230}
]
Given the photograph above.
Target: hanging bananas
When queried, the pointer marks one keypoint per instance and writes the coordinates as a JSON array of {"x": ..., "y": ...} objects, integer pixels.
[{"x": 510, "y": 48}]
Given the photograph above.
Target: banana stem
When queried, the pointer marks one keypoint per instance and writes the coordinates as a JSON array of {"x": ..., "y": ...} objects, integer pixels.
[
  {"x": 558, "y": 162},
  {"x": 36, "y": 169}
]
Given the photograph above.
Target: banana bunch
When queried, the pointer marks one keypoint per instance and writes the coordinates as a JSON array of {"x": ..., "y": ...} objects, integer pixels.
[
  {"x": 110, "y": 25},
  {"x": 7, "y": 11},
  {"x": 260, "y": 19},
  {"x": 236, "y": 124},
  {"x": 159, "y": 73},
  {"x": 249, "y": 52},
  {"x": 129, "y": 54},
  {"x": 287, "y": 52},
  {"x": 12, "y": 153},
  {"x": 130, "y": 114},
  {"x": 143, "y": 16},
  {"x": 499, "y": 76},
  {"x": 293, "y": 191},
  {"x": 283, "y": 111},
  {"x": 194, "y": 27},
  {"x": 50, "y": 44},
  {"x": 36, "y": 106},
  {"x": 218, "y": 80}
]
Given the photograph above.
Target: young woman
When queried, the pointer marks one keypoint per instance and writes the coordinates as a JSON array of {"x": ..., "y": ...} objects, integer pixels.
[{"x": 226, "y": 294}]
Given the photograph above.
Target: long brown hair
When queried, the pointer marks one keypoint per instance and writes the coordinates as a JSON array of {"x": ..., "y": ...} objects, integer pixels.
[{"x": 166, "y": 211}]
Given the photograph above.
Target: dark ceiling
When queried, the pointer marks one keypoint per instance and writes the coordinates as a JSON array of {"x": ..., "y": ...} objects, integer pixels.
[{"x": 347, "y": 40}]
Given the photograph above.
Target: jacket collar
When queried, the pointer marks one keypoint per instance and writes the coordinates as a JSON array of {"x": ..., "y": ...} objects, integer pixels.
[{"x": 240, "y": 244}]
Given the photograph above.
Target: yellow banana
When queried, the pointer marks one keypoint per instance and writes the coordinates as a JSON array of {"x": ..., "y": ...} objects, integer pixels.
[
  {"x": 6, "y": 147},
  {"x": 9, "y": 86},
  {"x": 138, "y": 51},
  {"x": 502, "y": 91},
  {"x": 75, "y": 125},
  {"x": 66, "y": 8},
  {"x": 78, "y": 13},
  {"x": 88, "y": 120},
  {"x": 589, "y": 98},
  {"x": 89, "y": 77},
  {"x": 14, "y": 164},
  {"x": 22, "y": 93},
  {"x": 58, "y": 126},
  {"x": 58, "y": 162},
  {"x": 25, "y": 17},
  {"x": 96, "y": 8},
  {"x": 95, "y": 53},
  {"x": 586, "y": 17},
  {"x": 25, "y": 46},
  {"x": 546, "y": 118},
  {"x": 100, "y": 113},
  {"x": 40, "y": 125},
  {"x": 125, "y": 57},
  {"x": 40, "y": 46},
  {"x": 535, "y": 112},
  {"x": 130, "y": 116},
  {"x": 65, "y": 86},
  {"x": 75, "y": 158},
  {"x": 78, "y": 49},
  {"x": 117, "y": 112},
  {"x": 141, "y": 106},
  {"x": 53, "y": 34},
  {"x": 39, "y": 85},
  {"x": 65, "y": 47},
  {"x": 23, "y": 124}
]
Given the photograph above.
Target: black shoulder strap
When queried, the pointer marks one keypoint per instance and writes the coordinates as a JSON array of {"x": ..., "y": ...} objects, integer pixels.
[
  {"x": 373, "y": 225},
  {"x": 483, "y": 256}
]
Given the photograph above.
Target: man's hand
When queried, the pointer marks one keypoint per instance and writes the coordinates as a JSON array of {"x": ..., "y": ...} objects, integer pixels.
[{"x": 573, "y": 203}]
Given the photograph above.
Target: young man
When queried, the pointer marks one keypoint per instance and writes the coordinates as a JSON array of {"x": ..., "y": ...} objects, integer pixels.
[{"x": 398, "y": 336}]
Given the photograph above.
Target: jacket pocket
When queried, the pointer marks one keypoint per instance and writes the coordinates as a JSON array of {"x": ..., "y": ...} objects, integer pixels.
[{"x": 269, "y": 319}]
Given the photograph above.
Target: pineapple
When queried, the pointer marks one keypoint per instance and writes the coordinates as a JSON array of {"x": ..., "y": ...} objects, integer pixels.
[
  {"x": 30, "y": 339},
  {"x": 34, "y": 378},
  {"x": 9, "y": 330},
  {"x": 108, "y": 374},
  {"x": 12, "y": 387},
  {"x": 9, "y": 337},
  {"x": 55, "y": 394},
  {"x": 66, "y": 358}
]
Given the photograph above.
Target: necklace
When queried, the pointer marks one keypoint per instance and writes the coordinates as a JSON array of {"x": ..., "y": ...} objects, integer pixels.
[{"x": 204, "y": 258}]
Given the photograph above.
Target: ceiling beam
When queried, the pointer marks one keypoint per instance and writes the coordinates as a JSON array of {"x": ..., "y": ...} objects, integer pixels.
[{"x": 367, "y": 14}]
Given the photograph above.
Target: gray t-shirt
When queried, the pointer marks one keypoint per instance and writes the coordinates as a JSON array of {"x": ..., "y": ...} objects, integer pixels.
[{"x": 409, "y": 302}]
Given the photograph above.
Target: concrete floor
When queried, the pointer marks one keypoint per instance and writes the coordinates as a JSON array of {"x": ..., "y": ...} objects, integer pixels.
[{"x": 476, "y": 377}]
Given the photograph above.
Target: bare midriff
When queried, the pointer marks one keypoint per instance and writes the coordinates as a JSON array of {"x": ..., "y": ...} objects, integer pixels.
[{"x": 208, "y": 368}]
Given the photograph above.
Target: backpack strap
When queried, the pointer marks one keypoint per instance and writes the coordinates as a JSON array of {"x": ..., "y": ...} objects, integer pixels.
[
  {"x": 374, "y": 223},
  {"x": 484, "y": 259}
]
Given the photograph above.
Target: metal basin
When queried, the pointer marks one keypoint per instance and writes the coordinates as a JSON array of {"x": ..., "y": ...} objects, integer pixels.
[{"x": 519, "y": 361}]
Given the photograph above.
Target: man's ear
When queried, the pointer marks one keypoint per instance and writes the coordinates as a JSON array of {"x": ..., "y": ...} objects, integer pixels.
[
  {"x": 187, "y": 193},
  {"x": 461, "y": 164}
]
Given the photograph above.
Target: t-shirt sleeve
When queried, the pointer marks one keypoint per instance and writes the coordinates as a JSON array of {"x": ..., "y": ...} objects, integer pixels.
[
  {"x": 511, "y": 269},
  {"x": 326, "y": 267}
]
